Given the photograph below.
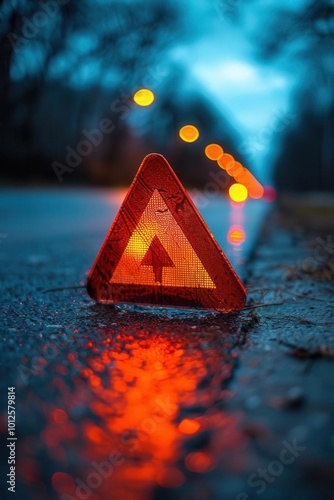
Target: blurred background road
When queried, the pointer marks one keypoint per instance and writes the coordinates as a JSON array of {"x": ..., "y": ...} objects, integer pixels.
[{"x": 33, "y": 216}]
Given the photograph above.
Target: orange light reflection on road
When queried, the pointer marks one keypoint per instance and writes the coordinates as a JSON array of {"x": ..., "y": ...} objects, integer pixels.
[
  {"x": 236, "y": 235},
  {"x": 123, "y": 410}
]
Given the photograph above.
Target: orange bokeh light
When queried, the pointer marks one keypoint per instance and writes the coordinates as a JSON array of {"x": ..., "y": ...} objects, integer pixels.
[
  {"x": 250, "y": 186},
  {"x": 189, "y": 426},
  {"x": 170, "y": 477},
  {"x": 199, "y": 462},
  {"x": 63, "y": 483},
  {"x": 59, "y": 416},
  {"x": 255, "y": 189},
  {"x": 226, "y": 161},
  {"x": 238, "y": 193},
  {"x": 214, "y": 151},
  {"x": 236, "y": 235},
  {"x": 235, "y": 169},
  {"x": 245, "y": 177},
  {"x": 189, "y": 133}
]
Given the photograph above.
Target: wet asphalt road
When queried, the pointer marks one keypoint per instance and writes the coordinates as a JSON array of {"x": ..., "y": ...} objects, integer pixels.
[{"x": 126, "y": 402}]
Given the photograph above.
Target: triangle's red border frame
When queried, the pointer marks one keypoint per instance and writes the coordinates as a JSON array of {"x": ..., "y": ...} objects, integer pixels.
[{"x": 155, "y": 173}]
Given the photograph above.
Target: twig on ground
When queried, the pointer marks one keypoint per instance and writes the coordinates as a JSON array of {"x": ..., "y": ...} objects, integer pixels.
[
  {"x": 63, "y": 288},
  {"x": 264, "y": 305}
]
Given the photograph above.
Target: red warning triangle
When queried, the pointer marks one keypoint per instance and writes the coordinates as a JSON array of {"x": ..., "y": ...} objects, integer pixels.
[{"x": 160, "y": 251}]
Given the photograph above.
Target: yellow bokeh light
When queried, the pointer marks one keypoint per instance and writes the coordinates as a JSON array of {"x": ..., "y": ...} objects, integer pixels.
[
  {"x": 238, "y": 193},
  {"x": 214, "y": 151},
  {"x": 143, "y": 97},
  {"x": 189, "y": 133}
]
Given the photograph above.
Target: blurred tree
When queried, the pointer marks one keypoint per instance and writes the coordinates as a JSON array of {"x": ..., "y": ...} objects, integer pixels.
[
  {"x": 77, "y": 46},
  {"x": 300, "y": 37}
]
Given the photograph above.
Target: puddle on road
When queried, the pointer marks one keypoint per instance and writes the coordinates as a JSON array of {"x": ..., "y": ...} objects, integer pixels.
[{"x": 134, "y": 409}]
